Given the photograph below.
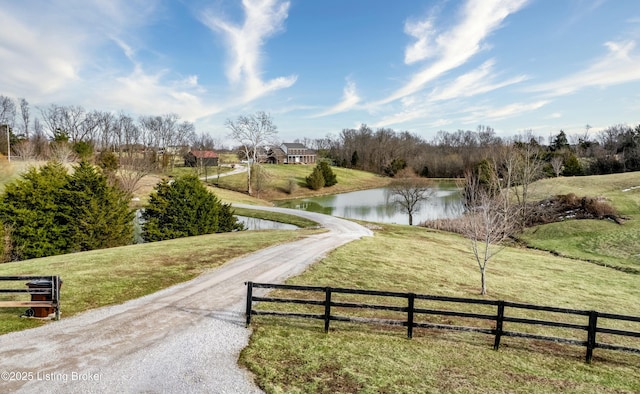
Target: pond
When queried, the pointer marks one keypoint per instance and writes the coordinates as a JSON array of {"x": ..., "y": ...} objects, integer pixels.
[
  {"x": 376, "y": 205},
  {"x": 262, "y": 224}
]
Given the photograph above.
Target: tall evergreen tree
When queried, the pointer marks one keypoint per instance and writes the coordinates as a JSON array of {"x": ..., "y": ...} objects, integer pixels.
[
  {"x": 315, "y": 181},
  {"x": 329, "y": 176},
  {"x": 30, "y": 208},
  {"x": 183, "y": 208},
  {"x": 99, "y": 214},
  {"x": 50, "y": 212}
]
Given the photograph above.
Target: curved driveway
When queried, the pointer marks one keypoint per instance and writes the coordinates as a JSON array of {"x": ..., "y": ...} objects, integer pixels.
[{"x": 184, "y": 339}]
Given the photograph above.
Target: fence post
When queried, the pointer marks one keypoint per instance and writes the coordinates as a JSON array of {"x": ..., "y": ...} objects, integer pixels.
[
  {"x": 591, "y": 335},
  {"x": 411, "y": 297},
  {"x": 249, "y": 297},
  {"x": 499, "y": 321},
  {"x": 327, "y": 308},
  {"x": 55, "y": 295}
]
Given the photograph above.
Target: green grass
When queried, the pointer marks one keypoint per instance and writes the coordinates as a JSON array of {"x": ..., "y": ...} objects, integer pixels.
[
  {"x": 294, "y": 355},
  {"x": 289, "y": 355},
  {"x": 11, "y": 170},
  {"x": 276, "y": 217},
  {"x": 601, "y": 242},
  {"x": 278, "y": 176},
  {"x": 609, "y": 186},
  {"x": 112, "y": 276}
]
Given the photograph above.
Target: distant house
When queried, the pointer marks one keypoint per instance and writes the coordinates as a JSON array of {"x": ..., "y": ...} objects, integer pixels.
[
  {"x": 274, "y": 155},
  {"x": 195, "y": 158},
  {"x": 297, "y": 153}
]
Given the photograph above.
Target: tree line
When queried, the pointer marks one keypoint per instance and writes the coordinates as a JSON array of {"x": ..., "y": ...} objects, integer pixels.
[
  {"x": 450, "y": 154},
  {"x": 67, "y": 133},
  {"x": 61, "y": 132}
]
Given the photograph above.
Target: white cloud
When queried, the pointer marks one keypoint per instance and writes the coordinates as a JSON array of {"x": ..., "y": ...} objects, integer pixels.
[
  {"x": 349, "y": 100},
  {"x": 398, "y": 118},
  {"x": 619, "y": 65},
  {"x": 480, "y": 80},
  {"x": 454, "y": 47},
  {"x": 508, "y": 111},
  {"x": 147, "y": 93},
  {"x": 64, "y": 54},
  {"x": 32, "y": 60},
  {"x": 263, "y": 19},
  {"x": 422, "y": 48}
]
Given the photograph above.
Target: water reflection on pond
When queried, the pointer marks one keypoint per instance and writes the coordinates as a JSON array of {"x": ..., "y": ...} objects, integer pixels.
[
  {"x": 261, "y": 224},
  {"x": 376, "y": 205}
]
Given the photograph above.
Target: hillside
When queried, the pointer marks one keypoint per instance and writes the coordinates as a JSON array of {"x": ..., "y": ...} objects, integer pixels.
[
  {"x": 289, "y": 355},
  {"x": 279, "y": 178},
  {"x": 599, "y": 241}
]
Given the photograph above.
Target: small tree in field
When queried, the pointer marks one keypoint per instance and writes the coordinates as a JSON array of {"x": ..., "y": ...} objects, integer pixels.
[
  {"x": 487, "y": 222},
  {"x": 184, "y": 208},
  {"x": 407, "y": 193}
]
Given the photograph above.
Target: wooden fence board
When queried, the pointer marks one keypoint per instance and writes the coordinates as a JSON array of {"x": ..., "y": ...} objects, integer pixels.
[{"x": 414, "y": 314}]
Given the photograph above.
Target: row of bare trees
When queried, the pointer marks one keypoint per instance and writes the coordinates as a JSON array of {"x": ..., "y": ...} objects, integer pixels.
[
  {"x": 127, "y": 148},
  {"x": 449, "y": 154},
  {"x": 65, "y": 132}
]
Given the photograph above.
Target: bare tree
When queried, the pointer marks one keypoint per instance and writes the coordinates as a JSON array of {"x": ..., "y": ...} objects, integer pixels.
[
  {"x": 253, "y": 132},
  {"x": 487, "y": 222},
  {"x": 7, "y": 120},
  {"x": 409, "y": 192},
  {"x": 149, "y": 137},
  {"x": 204, "y": 141},
  {"x": 131, "y": 170},
  {"x": 25, "y": 149},
  {"x": 556, "y": 164},
  {"x": 261, "y": 179},
  {"x": 39, "y": 140},
  {"x": 70, "y": 120},
  {"x": 25, "y": 116},
  {"x": 7, "y": 111},
  {"x": 164, "y": 136},
  {"x": 61, "y": 151},
  {"x": 103, "y": 129},
  {"x": 127, "y": 136}
]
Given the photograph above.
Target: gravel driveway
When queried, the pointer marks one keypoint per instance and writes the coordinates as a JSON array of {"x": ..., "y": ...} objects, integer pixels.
[{"x": 184, "y": 339}]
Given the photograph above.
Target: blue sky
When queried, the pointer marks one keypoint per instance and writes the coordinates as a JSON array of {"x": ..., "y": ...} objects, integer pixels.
[{"x": 319, "y": 66}]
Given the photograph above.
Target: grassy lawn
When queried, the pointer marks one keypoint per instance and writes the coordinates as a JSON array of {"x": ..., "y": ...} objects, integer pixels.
[
  {"x": 276, "y": 217},
  {"x": 11, "y": 170},
  {"x": 602, "y": 242},
  {"x": 294, "y": 355},
  {"x": 112, "y": 276},
  {"x": 278, "y": 176}
]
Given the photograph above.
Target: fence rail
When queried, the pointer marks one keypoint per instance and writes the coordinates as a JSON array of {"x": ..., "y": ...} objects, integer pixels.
[{"x": 414, "y": 313}]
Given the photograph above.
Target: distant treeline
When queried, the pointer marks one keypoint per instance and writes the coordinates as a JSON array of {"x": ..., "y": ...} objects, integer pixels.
[
  {"x": 449, "y": 154},
  {"x": 385, "y": 151}
]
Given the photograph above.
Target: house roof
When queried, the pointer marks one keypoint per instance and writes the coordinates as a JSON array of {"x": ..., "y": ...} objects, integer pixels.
[
  {"x": 204, "y": 154},
  {"x": 294, "y": 145}
]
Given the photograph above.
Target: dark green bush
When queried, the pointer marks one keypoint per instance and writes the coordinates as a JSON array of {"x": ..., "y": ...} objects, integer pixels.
[
  {"x": 183, "y": 208},
  {"x": 315, "y": 181}
]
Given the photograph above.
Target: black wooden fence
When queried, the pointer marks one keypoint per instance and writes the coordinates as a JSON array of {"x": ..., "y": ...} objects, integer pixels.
[{"x": 413, "y": 313}]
